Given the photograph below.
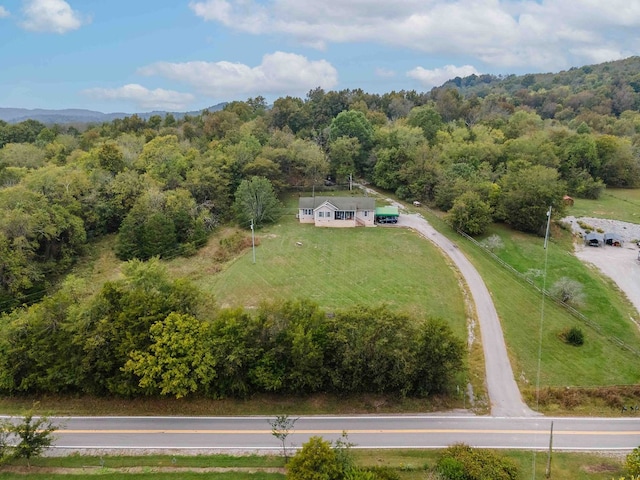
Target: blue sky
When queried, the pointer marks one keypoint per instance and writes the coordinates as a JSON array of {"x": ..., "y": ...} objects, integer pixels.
[{"x": 141, "y": 55}]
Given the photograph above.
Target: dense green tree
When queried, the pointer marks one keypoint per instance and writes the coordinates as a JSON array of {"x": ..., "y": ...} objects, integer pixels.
[
  {"x": 427, "y": 119},
  {"x": 440, "y": 358},
  {"x": 528, "y": 192},
  {"x": 22, "y": 155},
  {"x": 159, "y": 223},
  {"x": 110, "y": 157},
  {"x": 470, "y": 214},
  {"x": 118, "y": 321},
  {"x": 619, "y": 166},
  {"x": 354, "y": 124},
  {"x": 163, "y": 158},
  {"x": 236, "y": 340},
  {"x": 293, "y": 347},
  {"x": 38, "y": 354},
  {"x": 179, "y": 360},
  {"x": 343, "y": 155},
  {"x": 46, "y": 235},
  {"x": 256, "y": 201},
  {"x": 371, "y": 351}
]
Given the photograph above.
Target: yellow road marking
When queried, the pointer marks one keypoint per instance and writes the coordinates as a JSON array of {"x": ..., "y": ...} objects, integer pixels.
[{"x": 338, "y": 432}]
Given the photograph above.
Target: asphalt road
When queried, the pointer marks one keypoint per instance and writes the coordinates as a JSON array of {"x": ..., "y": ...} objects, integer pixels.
[
  {"x": 503, "y": 391},
  {"x": 248, "y": 434}
]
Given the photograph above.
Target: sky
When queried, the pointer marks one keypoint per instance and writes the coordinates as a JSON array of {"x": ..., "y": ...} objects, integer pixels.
[{"x": 183, "y": 55}]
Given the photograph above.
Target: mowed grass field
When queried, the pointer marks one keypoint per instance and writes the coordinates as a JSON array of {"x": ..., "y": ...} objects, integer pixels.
[
  {"x": 408, "y": 464},
  {"x": 599, "y": 361},
  {"x": 614, "y": 203},
  {"x": 338, "y": 268}
]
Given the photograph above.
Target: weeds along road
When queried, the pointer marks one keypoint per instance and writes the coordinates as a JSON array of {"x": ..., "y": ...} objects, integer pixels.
[{"x": 503, "y": 391}]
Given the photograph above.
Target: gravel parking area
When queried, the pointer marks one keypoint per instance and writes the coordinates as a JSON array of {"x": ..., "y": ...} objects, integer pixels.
[{"x": 621, "y": 264}]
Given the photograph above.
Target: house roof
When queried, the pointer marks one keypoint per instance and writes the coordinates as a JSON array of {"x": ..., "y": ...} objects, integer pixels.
[
  {"x": 387, "y": 211},
  {"x": 340, "y": 203}
]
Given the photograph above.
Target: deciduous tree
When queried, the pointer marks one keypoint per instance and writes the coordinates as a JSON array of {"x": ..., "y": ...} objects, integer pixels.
[
  {"x": 256, "y": 200},
  {"x": 179, "y": 360}
]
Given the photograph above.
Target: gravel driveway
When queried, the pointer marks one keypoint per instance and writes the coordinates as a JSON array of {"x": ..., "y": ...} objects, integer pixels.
[
  {"x": 504, "y": 394},
  {"x": 618, "y": 263}
]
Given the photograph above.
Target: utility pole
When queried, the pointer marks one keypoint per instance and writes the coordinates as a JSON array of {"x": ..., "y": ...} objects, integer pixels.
[
  {"x": 253, "y": 242},
  {"x": 546, "y": 235},
  {"x": 547, "y": 473},
  {"x": 350, "y": 180}
]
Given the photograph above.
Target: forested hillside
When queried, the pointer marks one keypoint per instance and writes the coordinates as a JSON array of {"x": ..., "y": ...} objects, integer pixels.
[{"x": 483, "y": 149}]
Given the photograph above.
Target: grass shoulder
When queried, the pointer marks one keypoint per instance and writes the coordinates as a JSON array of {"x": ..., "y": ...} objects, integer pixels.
[{"x": 407, "y": 464}]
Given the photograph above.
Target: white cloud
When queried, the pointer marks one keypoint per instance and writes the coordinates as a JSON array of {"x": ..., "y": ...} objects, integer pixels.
[
  {"x": 437, "y": 76},
  {"x": 55, "y": 16},
  {"x": 4, "y": 13},
  {"x": 144, "y": 98},
  {"x": 547, "y": 34},
  {"x": 279, "y": 73}
]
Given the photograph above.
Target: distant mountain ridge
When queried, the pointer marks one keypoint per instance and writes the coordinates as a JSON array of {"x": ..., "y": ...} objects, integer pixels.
[{"x": 78, "y": 115}]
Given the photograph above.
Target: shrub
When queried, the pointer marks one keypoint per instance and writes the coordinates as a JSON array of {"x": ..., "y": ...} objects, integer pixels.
[
  {"x": 384, "y": 473},
  {"x": 568, "y": 291},
  {"x": 493, "y": 243},
  {"x": 461, "y": 462},
  {"x": 315, "y": 461},
  {"x": 632, "y": 463},
  {"x": 451, "y": 469},
  {"x": 573, "y": 336}
]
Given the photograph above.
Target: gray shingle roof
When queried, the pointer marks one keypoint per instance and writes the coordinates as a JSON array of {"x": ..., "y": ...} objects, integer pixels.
[{"x": 341, "y": 203}]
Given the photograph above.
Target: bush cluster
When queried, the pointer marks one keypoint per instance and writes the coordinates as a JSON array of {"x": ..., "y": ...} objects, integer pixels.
[
  {"x": 149, "y": 335},
  {"x": 461, "y": 462},
  {"x": 573, "y": 336}
]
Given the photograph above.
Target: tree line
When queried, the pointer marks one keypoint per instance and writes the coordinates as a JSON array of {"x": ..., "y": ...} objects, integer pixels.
[
  {"x": 163, "y": 184},
  {"x": 148, "y": 334}
]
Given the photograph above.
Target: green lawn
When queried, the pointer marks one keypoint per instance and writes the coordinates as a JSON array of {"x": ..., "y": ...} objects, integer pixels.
[
  {"x": 614, "y": 203},
  {"x": 150, "y": 475},
  {"x": 337, "y": 268},
  {"x": 598, "y": 362},
  {"x": 413, "y": 464},
  {"x": 409, "y": 464}
]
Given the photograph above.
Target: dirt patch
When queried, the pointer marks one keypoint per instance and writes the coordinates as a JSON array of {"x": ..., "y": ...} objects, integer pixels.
[{"x": 600, "y": 468}]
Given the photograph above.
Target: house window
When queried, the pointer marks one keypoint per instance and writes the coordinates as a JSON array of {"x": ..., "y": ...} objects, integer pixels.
[
  {"x": 348, "y": 215},
  {"x": 307, "y": 211},
  {"x": 366, "y": 213},
  {"x": 339, "y": 216},
  {"x": 320, "y": 214}
]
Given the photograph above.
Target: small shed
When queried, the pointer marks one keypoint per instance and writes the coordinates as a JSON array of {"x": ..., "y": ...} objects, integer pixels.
[
  {"x": 613, "y": 239},
  {"x": 387, "y": 214},
  {"x": 567, "y": 200},
  {"x": 594, "y": 239}
]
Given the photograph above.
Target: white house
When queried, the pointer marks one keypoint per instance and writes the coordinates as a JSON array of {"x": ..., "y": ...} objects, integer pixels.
[{"x": 337, "y": 211}]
